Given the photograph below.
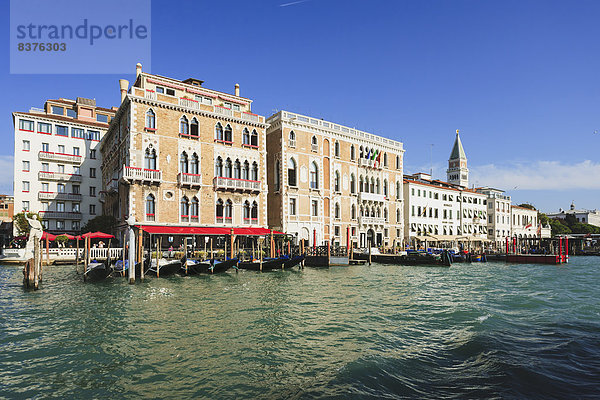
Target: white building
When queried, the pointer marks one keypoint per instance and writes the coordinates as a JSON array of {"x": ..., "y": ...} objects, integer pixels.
[
  {"x": 57, "y": 162},
  {"x": 591, "y": 217},
  {"x": 499, "y": 212},
  {"x": 439, "y": 211},
  {"x": 524, "y": 222}
]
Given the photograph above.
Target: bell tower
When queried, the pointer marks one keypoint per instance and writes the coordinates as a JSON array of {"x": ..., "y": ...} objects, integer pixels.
[{"x": 458, "y": 173}]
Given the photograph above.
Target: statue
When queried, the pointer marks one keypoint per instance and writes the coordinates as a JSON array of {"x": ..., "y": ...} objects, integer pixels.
[{"x": 35, "y": 234}]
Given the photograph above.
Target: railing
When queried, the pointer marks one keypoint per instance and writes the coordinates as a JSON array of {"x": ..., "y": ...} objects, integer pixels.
[
  {"x": 221, "y": 182},
  {"x": 250, "y": 221},
  {"x": 189, "y": 103},
  {"x": 141, "y": 174},
  {"x": 223, "y": 111},
  {"x": 292, "y": 143},
  {"x": 364, "y": 196},
  {"x": 226, "y": 220},
  {"x": 58, "y": 176},
  {"x": 60, "y": 214},
  {"x": 250, "y": 117},
  {"x": 102, "y": 253},
  {"x": 314, "y": 147},
  {"x": 372, "y": 221},
  {"x": 59, "y": 196},
  {"x": 184, "y": 178},
  {"x": 150, "y": 94},
  {"x": 49, "y": 156}
]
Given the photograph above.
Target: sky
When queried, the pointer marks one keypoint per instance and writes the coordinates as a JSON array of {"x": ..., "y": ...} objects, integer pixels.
[{"x": 519, "y": 79}]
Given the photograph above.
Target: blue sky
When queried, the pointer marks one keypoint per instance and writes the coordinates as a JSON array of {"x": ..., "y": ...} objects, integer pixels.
[{"x": 518, "y": 78}]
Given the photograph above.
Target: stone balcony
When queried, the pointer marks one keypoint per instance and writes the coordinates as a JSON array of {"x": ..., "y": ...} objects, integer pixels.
[
  {"x": 58, "y": 176},
  {"x": 372, "y": 221},
  {"x": 364, "y": 196},
  {"x": 59, "y": 196},
  {"x": 244, "y": 185},
  {"x": 60, "y": 215},
  {"x": 191, "y": 180},
  {"x": 59, "y": 157},
  {"x": 142, "y": 174}
]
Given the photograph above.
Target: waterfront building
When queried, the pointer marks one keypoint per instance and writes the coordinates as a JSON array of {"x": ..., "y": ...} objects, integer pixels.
[
  {"x": 329, "y": 182},
  {"x": 7, "y": 204},
  {"x": 524, "y": 222},
  {"x": 179, "y": 154},
  {"x": 57, "y": 162},
  {"x": 591, "y": 217},
  {"x": 499, "y": 215},
  {"x": 438, "y": 211}
]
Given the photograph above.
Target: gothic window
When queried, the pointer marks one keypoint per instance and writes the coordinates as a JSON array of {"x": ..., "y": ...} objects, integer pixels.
[
  {"x": 292, "y": 172},
  {"x": 194, "y": 131},
  {"x": 184, "y": 126},
  {"x": 314, "y": 175},
  {"x": 150, "y": 119}
]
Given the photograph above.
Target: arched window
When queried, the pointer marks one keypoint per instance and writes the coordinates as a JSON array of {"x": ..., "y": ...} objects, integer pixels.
[
  {"x": 336, "y": 148},
  {"x": 277, "y": 174},
  {"x": 385, "y": 214},
  {"x": 246, "y": 170},
  {"x": 246, "y": 136},
  {"x": 314, "y": 144},
  {"x": 398, "y": 216},
  {"x": 194, "y": 127},
  {"x": 195, "y": 164},
  {"x": 254, "y": 212},
  {"x": 352, "y": 184},
  {"x": 254, "y": 138},
  {"x": 292, "y": 172},
  {"x": 362, "y": 152},
  {"x": 292, "y": 141},
  {"x": 228, "y": 168},
  {"x": 219, "y": 167},
  {"x": 360, "y": 184},
  {"x": 183, "y": 163},
  {"x": 367, "y": 152},
  {"x": 228, "y": 134},
  {"x": 246, "y": 212},
  {"x": 385, "y": 160},
  {"x": 185, "y": 209},
  {"x": 219, "y": 210},
  {"x": 314, "y": 175},
  {"x": 372, "y": 185},
  {"x": 336, "y": 211},
  {"x": 228, "y": 211},
  {"x": 353, "y": 211},
  {"x": 378, "y": 212},
  {"x": 362, "y": 211},
  {"x": 237, "y": 169},
  {"x": 219, "y": 132},
  {"x": 337, "y": 184},
  {"x": 150, "y": 208},
  {"x": 254, "y": 171},
  {"x": 195, "y": 209},
  {"x": 397, "y": 162},
  {"x": 150, "y": 119},
  {"x": 184, "y": 127},
  {"x": 385, "y": 187},
  {"x": 398, "y": 188},
  {"x": 352, "y": 153},
  {"x": 150, "y": 159}
]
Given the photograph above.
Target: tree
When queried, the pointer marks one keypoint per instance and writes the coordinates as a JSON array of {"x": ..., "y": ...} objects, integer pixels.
[
  {"x": 102, "y": 223},
  {"x": 543, "y": 218},
  {"x": 558, "y": 228},
  {"x": 527, "y": 205},
  {"x": 20, "y": 222}
]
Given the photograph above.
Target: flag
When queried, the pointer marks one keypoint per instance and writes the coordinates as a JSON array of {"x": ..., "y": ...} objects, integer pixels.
[
  {"x": 374, "y": 154},
  {"x": 528, "y": 226},
  {"x": 368, "y": 154},
  {"x": 378, "y": 160}
]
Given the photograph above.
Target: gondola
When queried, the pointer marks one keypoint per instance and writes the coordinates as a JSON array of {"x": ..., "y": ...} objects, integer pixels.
[
  {"x": 97, "y": 271},
  {"x": 267, "y": 264},
  {"x": 119, "y": 270},
  {"x": 194, "y": 267},
  {"x": 165, "y": 267},
  {"x": 292, "y": 262},
  {"x": 222, "y": 266}
]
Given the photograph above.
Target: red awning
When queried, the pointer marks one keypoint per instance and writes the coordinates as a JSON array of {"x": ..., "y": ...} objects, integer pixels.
[
  {"x": 48, "y": 236},
  {"x": 208, "y": 231},
  {"x": 95, "y": 235}
]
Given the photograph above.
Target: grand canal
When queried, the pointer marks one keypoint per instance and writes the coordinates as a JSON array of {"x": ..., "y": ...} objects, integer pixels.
[{"x": 473, "y": 330}]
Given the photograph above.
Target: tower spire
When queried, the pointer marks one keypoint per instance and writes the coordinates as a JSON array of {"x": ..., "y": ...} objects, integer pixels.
[{"x": 458, "y": 173}]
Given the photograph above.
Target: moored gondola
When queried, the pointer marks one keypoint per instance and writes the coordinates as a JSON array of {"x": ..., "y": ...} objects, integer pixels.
[
  {"x": 97, "y": 271},
  {"x": 292, "y": 262},
  {"x": 222, "y": 266},
  {"x": 164, "y": 267},
  {"x": 267, "y": 264},
  {"x": 194, "y": 267}
]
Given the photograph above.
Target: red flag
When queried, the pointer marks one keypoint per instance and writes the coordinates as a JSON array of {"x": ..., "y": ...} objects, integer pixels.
[{"x": 528, "y": 226}]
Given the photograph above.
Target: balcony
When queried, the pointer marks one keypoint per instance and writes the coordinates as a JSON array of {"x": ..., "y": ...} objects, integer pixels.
[
  {"x": 69, "y": 158},
  {"x": 372, "y": 221},
  {"x": 224, "y": 220},
  {"x": 59, "y": 196},
  {"x": 364, "y": 196},
  {"x": 185, "y": 179},
  {"x": 223, "y": 183},
  {"x": 368, "y": 163},
  {"x": 223, "y": 111},
  {"x": 58, "y": 176},
  {"x": 150, "y": 95},
  {"x": 189, "y": 103},
  {"x": 60, "y": 215},
  {"x": 142, "y": 174},
  {"x": 314, "y": 147},
  {"x": 249, "y": 117}
]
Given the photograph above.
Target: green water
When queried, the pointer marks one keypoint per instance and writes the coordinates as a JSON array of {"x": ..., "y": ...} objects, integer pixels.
[{"x": 474, "y": 330}]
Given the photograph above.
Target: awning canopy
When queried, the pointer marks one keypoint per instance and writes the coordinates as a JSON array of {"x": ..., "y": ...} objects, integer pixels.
[
  {"x": 47, "y": 236},
  {"x": 207, "y": 231}
]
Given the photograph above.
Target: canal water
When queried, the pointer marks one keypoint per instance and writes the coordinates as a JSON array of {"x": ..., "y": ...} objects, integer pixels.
[{"x": 490, "y": 330}]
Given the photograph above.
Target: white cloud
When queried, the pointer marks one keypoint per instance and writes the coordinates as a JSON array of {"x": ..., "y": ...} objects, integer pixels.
[
  {"x": 540, "y": 175},
  {"x": 6, "y": 174}
]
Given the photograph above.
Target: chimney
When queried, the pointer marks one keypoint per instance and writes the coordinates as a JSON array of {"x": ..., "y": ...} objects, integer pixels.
[
  {"x": 138, "y": 70},
  {"x": 237, "y": 89},
  {"x": 123, "y": 84}
]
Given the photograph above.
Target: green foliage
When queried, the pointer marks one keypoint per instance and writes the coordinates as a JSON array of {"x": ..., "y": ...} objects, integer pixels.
[
  {"x": 527, "y": 205},
  {"x": 21, "y": 223},
  {"x": 102, "y": 223},
  {"x": 570, "y": 225},
  {"x": 558, "y": 228},
  {"x": 543, "y": 218},
  {"x": 62, "y": 238}
]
